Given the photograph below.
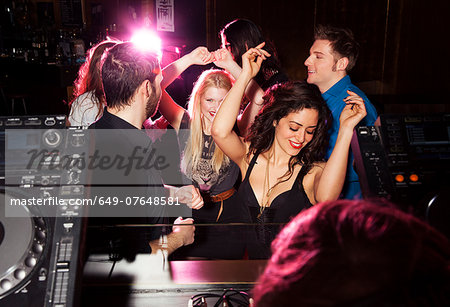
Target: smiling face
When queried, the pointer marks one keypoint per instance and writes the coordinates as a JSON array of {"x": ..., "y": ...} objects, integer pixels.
[
  {"x": 295, "y": 130},
  {"x": 323, "y": 69},
  {"x": 210, "y": 102}
]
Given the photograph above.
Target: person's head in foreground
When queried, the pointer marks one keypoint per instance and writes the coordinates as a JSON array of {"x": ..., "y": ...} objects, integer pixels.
[{"x": 356, "y": 253}]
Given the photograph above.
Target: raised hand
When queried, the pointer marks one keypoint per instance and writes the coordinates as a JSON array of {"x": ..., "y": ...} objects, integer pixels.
[
  {"x": 253, "y": 58},
  {"x": 201, "y": 56},
  {"x": 190, "y": 196},
  {"x": 353, "y": 112},
  {"x": 223, "y": 58}
]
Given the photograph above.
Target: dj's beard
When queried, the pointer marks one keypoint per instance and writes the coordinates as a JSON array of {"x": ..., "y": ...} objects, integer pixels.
[{"x": 153, "y": 102}]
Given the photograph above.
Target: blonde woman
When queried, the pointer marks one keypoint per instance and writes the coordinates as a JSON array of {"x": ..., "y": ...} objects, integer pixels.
[{"x": 201, "y": 160}]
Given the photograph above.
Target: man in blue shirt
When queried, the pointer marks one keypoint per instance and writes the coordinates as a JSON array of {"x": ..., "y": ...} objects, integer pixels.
[{"x": 332, "y": 55}]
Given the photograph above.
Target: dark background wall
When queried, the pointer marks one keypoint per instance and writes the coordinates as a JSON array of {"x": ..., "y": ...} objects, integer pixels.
[
  {"x": 405, "y": 57},
  {"x": 403, "y": 65}
]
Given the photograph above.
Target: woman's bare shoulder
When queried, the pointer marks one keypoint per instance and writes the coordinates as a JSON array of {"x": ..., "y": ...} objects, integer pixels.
[
  {"x": 313, "y": 174},
  {"x": 245, "y": 161},
  {"x": 317, "y": 167}
]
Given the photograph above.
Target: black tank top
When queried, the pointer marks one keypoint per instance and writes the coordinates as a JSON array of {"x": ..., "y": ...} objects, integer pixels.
[{"x": 283, "y": 207}]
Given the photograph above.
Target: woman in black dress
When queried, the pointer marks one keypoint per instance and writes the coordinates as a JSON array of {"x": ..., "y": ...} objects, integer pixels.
[{"x": 282, "y": 158}]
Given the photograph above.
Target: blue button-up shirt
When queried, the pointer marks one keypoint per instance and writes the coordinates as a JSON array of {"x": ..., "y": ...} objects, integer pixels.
[{"x": 334, "y": 98}]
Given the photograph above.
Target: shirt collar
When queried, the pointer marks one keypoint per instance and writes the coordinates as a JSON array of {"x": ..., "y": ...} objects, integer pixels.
[
  {"x": 338, "y": 87},
  {"x": 116, "y": 122}
]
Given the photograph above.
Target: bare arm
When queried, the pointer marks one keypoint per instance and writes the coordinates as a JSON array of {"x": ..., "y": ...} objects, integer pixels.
[
  {"x": 168, "y": 107},
  {"x": 222, "y": 128},
  {"x": 253, "y": 91},
  {"x": 223, "y": 59},
  {"x": 329, "y": 182},
  {"x": 171, "y": 111},
  {"x": 198, "y": 56}
]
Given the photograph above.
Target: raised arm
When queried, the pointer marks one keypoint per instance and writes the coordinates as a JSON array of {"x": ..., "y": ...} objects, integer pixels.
[
  {"x": 328, "y": 183},
  {"x": 223, "y": 59},
  {"x": 253, "y": 91},
  {"x": 198, "y": 56},
  {"x": 167, "y": 106},
  {"x": 171, "y": 111},
  {"x": 222, "y": 128}
]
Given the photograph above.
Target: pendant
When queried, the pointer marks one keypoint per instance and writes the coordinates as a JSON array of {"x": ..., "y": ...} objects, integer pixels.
[{"x": 261, "y": 211}]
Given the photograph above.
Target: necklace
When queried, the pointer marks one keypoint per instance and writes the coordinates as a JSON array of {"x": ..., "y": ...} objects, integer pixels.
[{"x": 267, "y": 190}]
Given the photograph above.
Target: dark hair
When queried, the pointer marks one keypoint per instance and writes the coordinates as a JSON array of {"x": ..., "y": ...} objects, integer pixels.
[
  {"x": 242, "y": 34},
  {"x": 342, "y": 42},
  {"x": 124, "y": 69},
  {"x": 89, "y": 77},
  {"x": 281, "y": 100},
  {"x": 356, "y": 253}
]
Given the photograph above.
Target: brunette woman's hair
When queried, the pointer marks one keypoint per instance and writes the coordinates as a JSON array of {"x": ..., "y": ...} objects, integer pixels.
[
  {"x": 243, "y": 34},
  {"x": 281, "y": 100}
]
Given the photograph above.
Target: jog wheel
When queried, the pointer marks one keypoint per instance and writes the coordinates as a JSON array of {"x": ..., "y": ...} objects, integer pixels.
[{"x": 23, "y": 241}]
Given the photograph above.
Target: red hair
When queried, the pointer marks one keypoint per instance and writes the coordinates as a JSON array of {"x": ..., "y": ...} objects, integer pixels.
[{"x": 337, "y": 253}]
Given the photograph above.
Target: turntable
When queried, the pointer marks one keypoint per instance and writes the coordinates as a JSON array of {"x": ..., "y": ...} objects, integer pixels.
[
  {"x": 39, "y": 249},
  {"x": 24, "y": 249}
]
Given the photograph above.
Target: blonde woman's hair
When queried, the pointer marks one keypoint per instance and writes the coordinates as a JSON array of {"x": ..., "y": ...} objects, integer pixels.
[{"x": 193, "y": 151}]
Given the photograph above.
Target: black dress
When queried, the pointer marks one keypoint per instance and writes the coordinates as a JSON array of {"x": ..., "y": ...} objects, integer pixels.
[{"x": 284, "y": 207}]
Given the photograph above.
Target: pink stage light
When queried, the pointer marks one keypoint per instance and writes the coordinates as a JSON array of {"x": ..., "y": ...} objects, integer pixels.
[{"x": 148, "y": 41}]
